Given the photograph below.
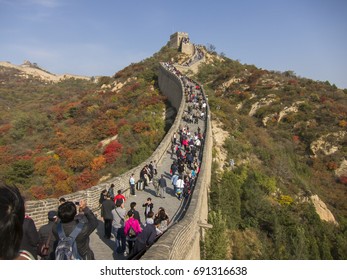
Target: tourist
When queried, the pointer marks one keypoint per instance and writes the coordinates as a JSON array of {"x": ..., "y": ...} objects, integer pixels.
[
  {"x": 46, "y": 238},
  {"x": 118, "y": 227},
  {"x": 66, "y": 213},
  {"x": 148, "y": 206},
  {"x": 106, "y": 213},
  {"x": 135, "y": 225},
  {"x": 11, "y": 223}
]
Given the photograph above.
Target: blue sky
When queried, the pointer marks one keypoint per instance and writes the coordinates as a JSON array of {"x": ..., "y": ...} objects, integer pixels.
[{"x": 100, "y": 37}]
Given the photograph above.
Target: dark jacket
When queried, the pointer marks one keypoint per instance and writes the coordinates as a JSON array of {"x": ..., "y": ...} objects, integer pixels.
[
  {"x": 30, "y": 238},
  {"x": 150, "y": 205},
  {"x": 106, "y": 209},
  {"x": 145, "y": 238},
  {"x": 44, "y": 232},
  {"x": 82, "y": 239},
  {"x": 162, "y": 183},
  {"x": 137, "y": 215}
]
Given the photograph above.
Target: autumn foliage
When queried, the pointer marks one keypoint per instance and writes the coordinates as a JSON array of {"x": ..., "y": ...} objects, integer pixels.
[
  {"x": 112, "y": 151},
  {"x": 52, "y": 142}
]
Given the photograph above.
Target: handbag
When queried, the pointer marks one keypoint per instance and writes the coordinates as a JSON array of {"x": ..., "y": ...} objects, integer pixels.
[{"x": 43, "y": 248}]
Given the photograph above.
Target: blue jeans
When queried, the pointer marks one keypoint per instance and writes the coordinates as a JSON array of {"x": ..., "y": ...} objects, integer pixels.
[{"x": 120, "y": 240}]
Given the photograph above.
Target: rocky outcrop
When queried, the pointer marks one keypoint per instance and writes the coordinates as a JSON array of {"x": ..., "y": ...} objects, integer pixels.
[
  {"x": 342, "y": 170},
  {"x": 328, "y": 144},
  {"x": 262, "y": 103},
  {"x": 219, "y": 137},
  {"x": 292, "y": 109},
  {"x": 117, "y": 85},
  {"x": 322, "y": 209}
]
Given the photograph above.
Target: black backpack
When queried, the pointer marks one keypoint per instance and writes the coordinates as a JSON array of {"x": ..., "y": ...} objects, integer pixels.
[{"x": 131, "y": 233}]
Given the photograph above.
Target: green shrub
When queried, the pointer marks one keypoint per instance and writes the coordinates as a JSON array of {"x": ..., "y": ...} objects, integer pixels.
[{"x": 216, "y": 243}]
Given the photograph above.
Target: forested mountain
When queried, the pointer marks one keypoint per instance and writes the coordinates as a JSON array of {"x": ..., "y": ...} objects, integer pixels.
[
  {"x": 58, "y": 137},
  {"x": 279, "y": 179}
]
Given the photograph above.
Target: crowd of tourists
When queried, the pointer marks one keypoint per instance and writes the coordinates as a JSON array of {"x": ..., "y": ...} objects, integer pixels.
[{"x": 198, "y": 55}]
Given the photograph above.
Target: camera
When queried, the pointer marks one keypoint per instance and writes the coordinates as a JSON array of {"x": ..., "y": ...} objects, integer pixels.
[{"x": 77, "y": 203}]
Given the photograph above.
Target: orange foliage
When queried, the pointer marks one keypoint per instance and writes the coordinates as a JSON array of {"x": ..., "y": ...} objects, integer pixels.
[
  {"x": 105, "y": 128},
  {"x": 79, "y": 159},
  {"x": 140, "y": 127},
  {"x": 343, "y": 123},
  {"x": 38, "y": 192},
  {"x": 58, "y": 179},
  {"x": 331, "y": 165},
  {"x": 41, "y": 164},
  {"x": 98, "y": 163},
  {"x": 86, "y": 179},
  {"x": 5, "y": 128},
  {"x": 5, "y": 155},
  {"x": 56, "y": 173}
]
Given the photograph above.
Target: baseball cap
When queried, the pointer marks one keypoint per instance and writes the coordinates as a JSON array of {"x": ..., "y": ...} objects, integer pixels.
[{"x": 52, "y": 214}]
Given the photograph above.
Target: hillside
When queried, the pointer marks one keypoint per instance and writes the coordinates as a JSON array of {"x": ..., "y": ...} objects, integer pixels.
[
  {"x": 60, "y": 136},
  {"x": 279, "y": 181},
  {"x": 28, "y": 69}
]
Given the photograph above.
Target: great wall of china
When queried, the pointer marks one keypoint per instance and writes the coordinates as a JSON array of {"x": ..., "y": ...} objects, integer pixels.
[{"x": 182, "y": 241}]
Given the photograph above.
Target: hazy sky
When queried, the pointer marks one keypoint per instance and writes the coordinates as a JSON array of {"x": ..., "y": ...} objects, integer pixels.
[{"x": 100, "y": 37}]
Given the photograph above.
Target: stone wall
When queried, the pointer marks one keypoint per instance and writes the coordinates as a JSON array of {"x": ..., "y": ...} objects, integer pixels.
[
  {"x": 187, "y": 48},
  {"x": 173, "y": 89},
  {"x": 182, "y": 241}
]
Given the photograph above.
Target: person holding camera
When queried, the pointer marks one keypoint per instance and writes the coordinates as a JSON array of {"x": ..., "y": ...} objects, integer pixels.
[{"x": 67, "y": 214}]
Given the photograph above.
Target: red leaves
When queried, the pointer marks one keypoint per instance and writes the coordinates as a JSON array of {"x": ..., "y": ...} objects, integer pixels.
[
  {"x": 86, "y": 179},
  {"x": 343, "y": 180},
  {"x": 296, "y": 139},
  {"x": 112, "y": 151},
  {"x": 38, "y": 192}
]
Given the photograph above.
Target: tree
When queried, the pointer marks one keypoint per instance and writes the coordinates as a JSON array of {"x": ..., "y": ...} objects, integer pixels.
[
  {"x": 21, "y": 171},
  {"x": 112, "y": 151},
  {"x": 216, "y": 241},
  {"x": 211, "y": 48},
  {"x": 79, "y": 160},
  {"x": 86, "y": 179},
  {"x": 98, "y": 163}
]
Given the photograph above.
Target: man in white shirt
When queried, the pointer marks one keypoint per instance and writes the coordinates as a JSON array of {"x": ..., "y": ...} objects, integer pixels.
[
  {"x": 179, "y": 187},
  {"x": 132, "y": 185}
]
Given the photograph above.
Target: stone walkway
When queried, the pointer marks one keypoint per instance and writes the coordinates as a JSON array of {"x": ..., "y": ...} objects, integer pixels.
[{"x": 103, "y": 248}]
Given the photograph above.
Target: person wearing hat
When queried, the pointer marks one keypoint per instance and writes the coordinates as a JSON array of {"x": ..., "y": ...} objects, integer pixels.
[{"x": 46, "y": 237}]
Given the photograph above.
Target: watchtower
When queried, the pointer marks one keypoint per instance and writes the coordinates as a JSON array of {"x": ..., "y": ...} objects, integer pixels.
[
  {"x": 177, "y": 38},
  {"x": 180, "y": 41}
]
